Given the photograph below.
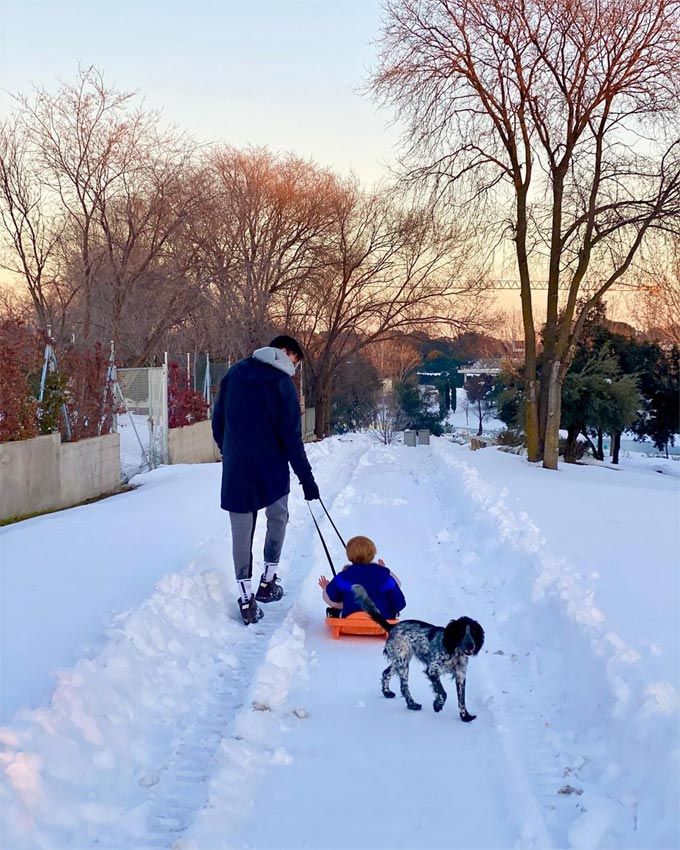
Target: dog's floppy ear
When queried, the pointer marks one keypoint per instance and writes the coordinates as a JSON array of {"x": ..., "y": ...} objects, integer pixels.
[
  {"x": 453, "y": 635},
  {"x": 477, "y": 633}
]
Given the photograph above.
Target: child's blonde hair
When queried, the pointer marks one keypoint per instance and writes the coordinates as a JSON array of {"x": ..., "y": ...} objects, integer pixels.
[{"x": 361, "y": 550}]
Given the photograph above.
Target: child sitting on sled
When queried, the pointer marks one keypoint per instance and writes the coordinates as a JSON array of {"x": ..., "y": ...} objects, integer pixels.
[{"x": 380, "y": 584}]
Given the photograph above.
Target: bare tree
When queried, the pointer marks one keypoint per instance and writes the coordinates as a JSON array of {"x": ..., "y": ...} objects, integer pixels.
[
  {"x": 124, "y": 191},
  {"x": 478, "y": 390},
  {"x": 31, "y": 232},
  {"x": 559, "y": 115},
  {"x": 15, "y": 306},
  {"x": 389, "y": 421},
  {"x": 138, "y": 218},
  {"x": 394, "y": 358},
  {"x": 656, "y": 307},
  {"x": 82, "y": 137},
  {"x": 387, "y": 270},
  {"x": 262, "y": 236}
]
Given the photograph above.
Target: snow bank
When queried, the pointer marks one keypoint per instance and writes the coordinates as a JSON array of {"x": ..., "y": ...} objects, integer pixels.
[
  {"x": 114, "y": 721},
  {"x": 614, "y": 723},
  {"x": 255, "y": 741}
]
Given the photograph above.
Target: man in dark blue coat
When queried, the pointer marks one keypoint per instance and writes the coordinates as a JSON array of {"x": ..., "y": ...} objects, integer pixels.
[{"x": 256, "y": 424}]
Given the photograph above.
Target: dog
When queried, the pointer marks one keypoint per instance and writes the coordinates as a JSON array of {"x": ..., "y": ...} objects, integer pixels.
[{"x": 442, "y": 650}]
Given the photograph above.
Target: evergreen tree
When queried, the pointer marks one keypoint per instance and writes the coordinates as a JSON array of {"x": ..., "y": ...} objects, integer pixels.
[
  {"x": 355, "y": 396},
  {"x": 413, "y": 409},
  {"x": 479, "y": 389},
  {"x": 656, "y": 373},
  {"x": 661, "y": 418}
]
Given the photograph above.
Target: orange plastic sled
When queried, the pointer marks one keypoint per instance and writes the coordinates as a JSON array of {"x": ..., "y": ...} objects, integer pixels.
[{"x": 358, "y": 623}]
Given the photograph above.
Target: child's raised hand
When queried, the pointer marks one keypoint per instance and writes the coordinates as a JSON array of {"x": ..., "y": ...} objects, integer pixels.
[
  {"x": 381, "y": 562},
  {"x": 323, "y": 582}
]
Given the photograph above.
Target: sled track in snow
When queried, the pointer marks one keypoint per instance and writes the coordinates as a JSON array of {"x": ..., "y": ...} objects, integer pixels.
[
  {"x": 530, "y": 772},
  {"x": 182, "y": 789},
  {"x": 507, "y": 695}
]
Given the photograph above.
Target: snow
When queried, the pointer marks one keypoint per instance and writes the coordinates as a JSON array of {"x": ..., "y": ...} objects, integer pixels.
[
  {"x": 135, "y": 441},
  {"x": 139, "y": 712},
  {"x": 469, "y": 421}
]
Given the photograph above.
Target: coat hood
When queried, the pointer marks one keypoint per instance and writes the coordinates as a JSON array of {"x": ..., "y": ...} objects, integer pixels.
[{"x": 275, "y": 357}]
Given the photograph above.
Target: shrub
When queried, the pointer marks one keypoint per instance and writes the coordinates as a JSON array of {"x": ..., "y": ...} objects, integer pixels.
[
  {"x": 79, "y": 385},
  {"x": 510, "y": 437},
  {"x": 185, "y": 406},
  {"x": 89, "y": 401},
  {"x": 20, "y": 356},
  {"x": 580, "y": 448}
]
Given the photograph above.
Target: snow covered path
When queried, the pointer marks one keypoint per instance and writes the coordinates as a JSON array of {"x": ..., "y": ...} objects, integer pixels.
[
  {"x": 354, "y": 769},
  {"x": 187, "y": 731}
]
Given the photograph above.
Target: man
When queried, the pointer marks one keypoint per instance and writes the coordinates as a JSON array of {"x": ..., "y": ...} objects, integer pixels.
[{"x": 256, "y": 424}]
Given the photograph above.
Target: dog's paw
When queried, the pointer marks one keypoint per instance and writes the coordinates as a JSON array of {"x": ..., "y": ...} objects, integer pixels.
[
  {"x": 466, "y": 718},
  {"x": 414, "y": 706},
  {"x": 389, "y": 694},
  {"x": 437, "y": 705}
]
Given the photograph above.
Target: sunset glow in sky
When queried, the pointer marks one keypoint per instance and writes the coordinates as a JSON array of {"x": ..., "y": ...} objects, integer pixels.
[{"x": 282, "y": 73}]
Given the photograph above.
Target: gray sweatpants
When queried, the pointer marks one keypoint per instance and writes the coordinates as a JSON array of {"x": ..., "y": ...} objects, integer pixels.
[{"x": 243, "y": 531}]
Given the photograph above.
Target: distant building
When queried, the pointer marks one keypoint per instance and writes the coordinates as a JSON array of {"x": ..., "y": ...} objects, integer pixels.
[{"x": 490, "y": 366}]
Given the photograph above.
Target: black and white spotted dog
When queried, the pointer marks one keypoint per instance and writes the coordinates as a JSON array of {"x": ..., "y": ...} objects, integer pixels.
[{"x": 442, "y": 651}]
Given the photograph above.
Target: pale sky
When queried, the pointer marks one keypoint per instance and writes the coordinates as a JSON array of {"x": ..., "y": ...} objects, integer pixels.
[{"x": 282, "y": 73}]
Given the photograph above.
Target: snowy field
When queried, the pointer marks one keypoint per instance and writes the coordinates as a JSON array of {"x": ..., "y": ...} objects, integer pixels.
[
  {"x": 465, "y": 418},
  {"x": 139, "y": 713}
]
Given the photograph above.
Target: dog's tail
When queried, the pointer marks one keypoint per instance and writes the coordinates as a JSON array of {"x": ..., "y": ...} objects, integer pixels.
[{"x": 368, "y": 605}]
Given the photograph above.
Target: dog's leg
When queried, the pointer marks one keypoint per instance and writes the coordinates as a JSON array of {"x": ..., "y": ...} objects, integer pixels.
[
  {"x": 386, "y": 676},
  {"x": 401, "y": 669},
  {"x": 440, "y": 693},
  {"x": 460, "y": 688}
]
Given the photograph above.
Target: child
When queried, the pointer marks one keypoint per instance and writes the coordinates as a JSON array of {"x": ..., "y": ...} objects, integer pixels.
[{"x": 380, "y": 584}]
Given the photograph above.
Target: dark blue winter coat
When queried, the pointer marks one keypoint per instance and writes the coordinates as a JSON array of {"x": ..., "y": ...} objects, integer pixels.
[
  {"x": 378, "y": 583},
  {"x": 256, "y": 424}
]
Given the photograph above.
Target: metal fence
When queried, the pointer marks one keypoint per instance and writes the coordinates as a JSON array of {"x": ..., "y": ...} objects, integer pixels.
[{"x": 142, "y": 418}]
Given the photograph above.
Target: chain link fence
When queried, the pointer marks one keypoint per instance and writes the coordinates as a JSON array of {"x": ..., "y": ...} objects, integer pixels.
[{"x": 142, "y": 418}]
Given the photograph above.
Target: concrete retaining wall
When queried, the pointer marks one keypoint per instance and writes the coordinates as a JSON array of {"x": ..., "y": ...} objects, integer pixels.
[
  {"x": 195, "y": 444},
  {"x": 45, "y": 474},
  {"x": 192, "y": 444},
  {"x": 89, "y": 468}
]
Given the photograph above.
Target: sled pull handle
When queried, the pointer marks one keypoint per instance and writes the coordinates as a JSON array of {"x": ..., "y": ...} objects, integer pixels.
[
  {"x": 321, "y": 537},
  {"x": 344, "y": 545}
]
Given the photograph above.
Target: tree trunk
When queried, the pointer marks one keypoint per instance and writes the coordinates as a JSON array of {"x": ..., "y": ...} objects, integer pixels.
[
  {"x": 87, "y": 320},
  {"x": 322, "y": 406},
  {"x": 600, "y": 444},
  {"x": 479, "y": 414},
  {"x": 534, "y": 446},
  {"x": 616, "y": 446},
  {"x": 551, "y": 445},
  {"x": 542, "y": 402},
  {"x": 586, "y": 437},
  {"x": 572, "y": 444}
]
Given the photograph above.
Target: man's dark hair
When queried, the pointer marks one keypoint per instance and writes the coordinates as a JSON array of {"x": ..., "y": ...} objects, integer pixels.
[{"x": 289, "y": 344}]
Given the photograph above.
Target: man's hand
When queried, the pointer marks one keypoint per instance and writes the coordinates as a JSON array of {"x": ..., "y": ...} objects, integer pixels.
[{"x": 311, "y": 490}]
